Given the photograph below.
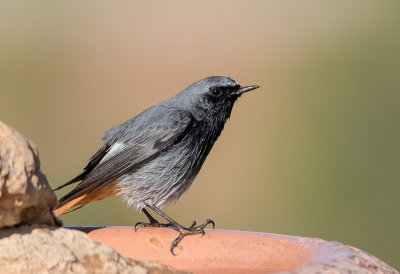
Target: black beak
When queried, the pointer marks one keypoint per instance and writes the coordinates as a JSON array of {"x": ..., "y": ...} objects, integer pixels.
[{"x": 242, "y": 90}]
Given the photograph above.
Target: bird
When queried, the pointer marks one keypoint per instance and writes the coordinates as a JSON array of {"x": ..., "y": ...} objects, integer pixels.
[{"x": 153, "y": 158}]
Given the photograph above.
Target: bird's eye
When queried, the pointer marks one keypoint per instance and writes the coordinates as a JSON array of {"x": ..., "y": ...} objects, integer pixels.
[{"x": 216, "y": 91}]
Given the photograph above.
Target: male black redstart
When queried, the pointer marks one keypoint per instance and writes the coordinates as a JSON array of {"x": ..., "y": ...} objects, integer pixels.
[{"x": 153, "y": 158}]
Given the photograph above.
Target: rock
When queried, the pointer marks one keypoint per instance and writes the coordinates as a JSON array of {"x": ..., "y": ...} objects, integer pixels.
[
  {"x": 42, "y": 249},
  {"x": 25, "y": 194}
]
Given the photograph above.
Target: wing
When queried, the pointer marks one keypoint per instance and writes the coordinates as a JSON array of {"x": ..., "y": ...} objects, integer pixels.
[{"x": 127, "y": 147}]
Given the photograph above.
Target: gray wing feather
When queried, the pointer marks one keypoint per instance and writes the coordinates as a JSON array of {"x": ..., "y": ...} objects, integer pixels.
[{"x": 131, "y": 144}]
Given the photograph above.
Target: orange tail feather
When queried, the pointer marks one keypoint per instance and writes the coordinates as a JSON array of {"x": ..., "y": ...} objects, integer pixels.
[
  {"x": 65, "y": 207},
  {"x": 86, "y": 197}
]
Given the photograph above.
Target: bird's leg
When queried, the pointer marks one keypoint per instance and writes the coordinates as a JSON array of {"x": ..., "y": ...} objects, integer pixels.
[
  {"x": 151, "y": 219},
  {"x": 183, "y": 231}
]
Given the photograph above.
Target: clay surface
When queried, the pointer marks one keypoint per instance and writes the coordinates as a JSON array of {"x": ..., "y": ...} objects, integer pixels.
[{"x": 221, "y": 251}]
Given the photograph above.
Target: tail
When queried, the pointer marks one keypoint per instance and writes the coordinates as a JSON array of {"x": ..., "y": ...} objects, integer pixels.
[
  {"x": 77, "y": 199},
  {"x": 86, "y": 192},
  {"x": 71, "y": 199},
  {"x": 63, "y": 207}
]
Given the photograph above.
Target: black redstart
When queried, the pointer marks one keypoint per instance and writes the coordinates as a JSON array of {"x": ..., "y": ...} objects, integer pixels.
[{"x": 153, "y": 158}]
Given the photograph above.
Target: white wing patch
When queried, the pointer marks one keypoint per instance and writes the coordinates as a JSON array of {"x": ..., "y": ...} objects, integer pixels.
[{"x": 114, "y": 150}]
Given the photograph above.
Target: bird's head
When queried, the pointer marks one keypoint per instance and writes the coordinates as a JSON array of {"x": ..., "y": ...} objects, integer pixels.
[{"x": 212, "y": 97}]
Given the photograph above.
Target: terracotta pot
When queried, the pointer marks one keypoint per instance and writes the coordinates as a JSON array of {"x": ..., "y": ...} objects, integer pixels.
[{"x": 221, "y": 251}]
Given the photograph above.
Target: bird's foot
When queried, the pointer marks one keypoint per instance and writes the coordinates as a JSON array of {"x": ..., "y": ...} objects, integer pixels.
[
  {"x": 191, "y": 230},
  {"x": 183, "y": 231},
  {"x": 154, "y": 223}
]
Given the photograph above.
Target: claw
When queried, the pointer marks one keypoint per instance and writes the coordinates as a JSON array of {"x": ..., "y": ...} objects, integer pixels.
[
  {"x": 175, "y": 243},
  {"x": 209, "y": 221},
  {"x": 154, "y": 224},
  {"x": 138, "y": 225},
  {"x": 171, "y": 249}
]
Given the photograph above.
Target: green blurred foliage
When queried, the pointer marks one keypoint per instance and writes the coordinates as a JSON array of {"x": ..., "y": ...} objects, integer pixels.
[{"x": 314, "y": 152}]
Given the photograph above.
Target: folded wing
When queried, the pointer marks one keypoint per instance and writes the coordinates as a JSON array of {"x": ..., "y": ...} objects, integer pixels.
[{"x": 126, "y": 148}]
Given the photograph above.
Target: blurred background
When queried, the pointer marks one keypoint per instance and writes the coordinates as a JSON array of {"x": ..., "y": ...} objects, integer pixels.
[{"x": 314, "y": 152}]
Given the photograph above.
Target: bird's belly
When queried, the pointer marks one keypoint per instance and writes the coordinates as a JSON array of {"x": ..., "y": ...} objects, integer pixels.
[{"x": 162, "y": 180}]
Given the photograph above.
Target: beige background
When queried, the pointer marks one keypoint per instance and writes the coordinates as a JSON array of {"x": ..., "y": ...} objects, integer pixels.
[{"x": 314, "y": 152}]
